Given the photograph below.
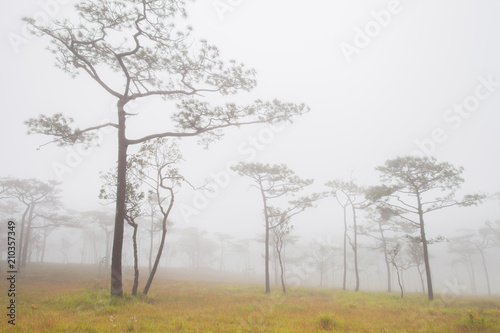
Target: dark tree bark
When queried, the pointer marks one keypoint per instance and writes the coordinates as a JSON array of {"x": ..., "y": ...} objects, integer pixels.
[{"x": 116, "y": 257}]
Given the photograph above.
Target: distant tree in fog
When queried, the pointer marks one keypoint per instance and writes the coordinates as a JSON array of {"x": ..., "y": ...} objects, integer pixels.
[
  {"x": 135, "y": 50},
  {"x": 199, "y": 249},
  {"x": 34, "y": 200},
  {"x": 103, "y": 220},
  {"x": 223, "y": 241},
  {"x": 463, "y": 248},
  {"x": 322, "y": 255},
  {"x": 415, "y": 255},
  {"x": 242, "y": 248},
  {"x": 349, "y": 194},
  {"x": 399, "y": 263},
  {"x": 380, "y": 225},
  {"x": 415, "y": 186},
  {"x": 280, "y": 223},
  {"x": 492, "y": 229},
  {"x": 274, "y": 182},
  {"x": 474, "y": 242}
]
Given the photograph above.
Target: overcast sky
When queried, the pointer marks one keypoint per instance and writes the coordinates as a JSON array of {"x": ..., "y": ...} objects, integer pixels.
[{"x": 382, "y": 78}]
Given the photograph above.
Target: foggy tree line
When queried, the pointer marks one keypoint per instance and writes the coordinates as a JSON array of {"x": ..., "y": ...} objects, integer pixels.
[
  {"x": 397, "y": 236},
  {"x": 155, "y": 56}
]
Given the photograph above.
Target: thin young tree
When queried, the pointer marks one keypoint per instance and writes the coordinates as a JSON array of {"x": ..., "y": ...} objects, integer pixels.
[
  {"x": 273, "y": 182},
  {"x": 135, "y": 199},
  {"x": 157, "y": 167},
  {"x": 379, "y": 226},
  {"x": 349, "y": 194},
  {"x": 280, "y": 224},
  {"x": 223, "y": 241},
  {"x": 413, "y": 187},
  {"x": 399, "y": 263},
  {"x": 415, "y": 255},
  {"x": 134, "y": 50}
]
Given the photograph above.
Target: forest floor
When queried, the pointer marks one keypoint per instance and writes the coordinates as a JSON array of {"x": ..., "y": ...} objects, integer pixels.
[{"x": 72, "y": 298}]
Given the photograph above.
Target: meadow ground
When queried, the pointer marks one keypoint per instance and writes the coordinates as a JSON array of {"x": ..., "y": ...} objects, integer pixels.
[{"x": 71, "y": 298}]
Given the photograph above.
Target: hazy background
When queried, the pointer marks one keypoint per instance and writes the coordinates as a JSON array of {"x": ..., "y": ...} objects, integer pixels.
[{"x": 390, "y": 96}]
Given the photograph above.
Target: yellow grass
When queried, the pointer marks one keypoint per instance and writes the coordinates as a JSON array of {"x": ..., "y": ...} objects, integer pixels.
[{"x": 69, "y": 298}]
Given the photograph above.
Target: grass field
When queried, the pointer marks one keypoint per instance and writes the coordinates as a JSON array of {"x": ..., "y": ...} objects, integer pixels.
[{"x": 70, "y": 298}]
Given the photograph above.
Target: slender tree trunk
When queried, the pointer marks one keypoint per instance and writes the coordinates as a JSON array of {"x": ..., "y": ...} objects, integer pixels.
[
  {"x": 116, "y": 259},
  {"x": 136, "y": 259},
  {"x": 473, "y": 274},
  {"x": 21, "y": 239},
  {"x": 27, "y": 236},
  {"x": 45, "y": 236},
  {"x": 355, "y": 247},
  {"x": 266, "y": 217},
  {"x": 160, "y": 248},
  {"x": 282, "y": 271},
  {"x": 486, "y": 272},
  {"x": 83, "y": 251},
  {"x": 471, "y": 280},
  {"x": 430, "y": 292},
  {"x": 421, "y": 279},
  {"x": 386, "y": 257},
  {"x": 151, "y": 243},
  {"x": 345, "y": 249},
  {"x": 399, "y": 280}
]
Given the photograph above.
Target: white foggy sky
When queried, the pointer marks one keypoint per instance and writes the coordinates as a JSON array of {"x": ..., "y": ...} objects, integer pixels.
[{"x": 393, "y": 93}]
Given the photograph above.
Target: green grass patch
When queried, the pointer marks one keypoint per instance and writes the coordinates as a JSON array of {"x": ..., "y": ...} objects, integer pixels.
[{"x": 79, "y": 301}]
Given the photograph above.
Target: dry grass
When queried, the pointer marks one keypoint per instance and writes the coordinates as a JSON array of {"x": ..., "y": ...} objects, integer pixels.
[{"x": 57, "y": 298}]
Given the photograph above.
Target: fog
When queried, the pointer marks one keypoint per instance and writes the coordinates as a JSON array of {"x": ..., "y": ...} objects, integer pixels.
[{"x": 425, "y": 82}]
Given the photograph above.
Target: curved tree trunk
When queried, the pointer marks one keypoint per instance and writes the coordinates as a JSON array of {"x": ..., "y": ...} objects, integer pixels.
[
  {"x": 282, "y": 271},
  {"x": 399, "y": 281},
  {"x": 162, "y": 244},
  {"x": 136, "y": 259}
]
